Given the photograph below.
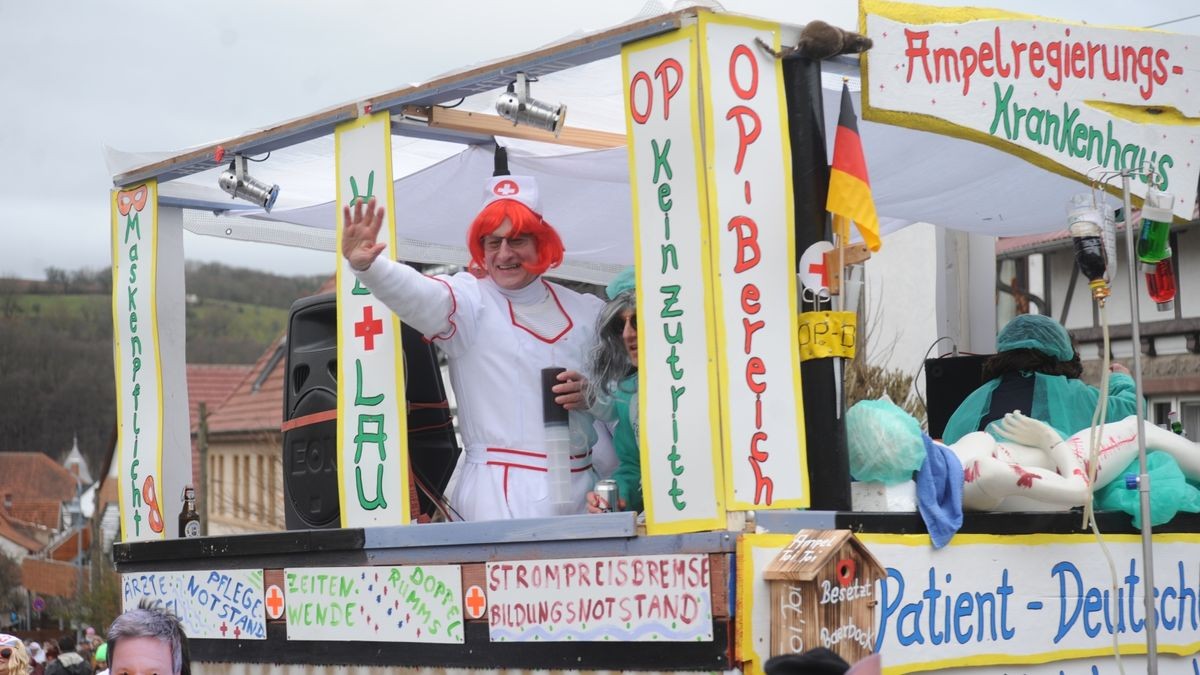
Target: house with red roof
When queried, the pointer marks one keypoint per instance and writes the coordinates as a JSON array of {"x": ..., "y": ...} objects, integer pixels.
[{"x": 245, "y": 466}]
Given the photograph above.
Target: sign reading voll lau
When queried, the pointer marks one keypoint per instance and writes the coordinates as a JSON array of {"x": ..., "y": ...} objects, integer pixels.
[{"x": 1072, "y": 98}]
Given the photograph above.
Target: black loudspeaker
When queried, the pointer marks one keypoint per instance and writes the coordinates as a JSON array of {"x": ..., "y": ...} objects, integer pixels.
[
  {"x": 948, "y": 381},
  {"x": 310, "y": 416}
]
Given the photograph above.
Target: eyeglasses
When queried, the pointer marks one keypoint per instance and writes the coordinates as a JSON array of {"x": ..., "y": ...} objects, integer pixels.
[
  {"x": 519, "y": 242},
  {"x": 6, "y": 652},
  {"x": 618, "y": 322}
]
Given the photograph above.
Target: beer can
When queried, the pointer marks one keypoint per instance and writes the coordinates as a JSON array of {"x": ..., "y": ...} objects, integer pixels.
[{"x": 609, "y": 495}]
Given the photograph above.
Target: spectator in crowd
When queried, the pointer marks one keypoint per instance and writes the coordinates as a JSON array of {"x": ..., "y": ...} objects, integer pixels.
[
  {"x": 100, "y": 663},
  {"x": 38, "y": 656},
  {"x": 69, "y": 661},
  {"x": 51, "y": 649},
  {"x": 148, "y": 641},
  {"x": 14, "y": 658}
]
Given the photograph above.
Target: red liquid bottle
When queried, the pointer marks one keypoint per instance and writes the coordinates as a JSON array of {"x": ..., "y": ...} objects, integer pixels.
[{"x": 1161, "y": 284}]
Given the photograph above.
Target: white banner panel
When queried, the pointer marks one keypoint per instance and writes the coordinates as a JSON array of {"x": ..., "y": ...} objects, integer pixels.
[
  {"x": 1074, "y": 98},
  {"x": 211, "y": 604},
  {"x": 631, "y": 599},
  {"x": 1021, "y": 600},
  {"x": 418, "y": 603},
  {"x": 137, "y": 362},
  {"x": 372, "y": 427},
  {"x": 677, "y": 385},
  {"x": 752, "y": 224}
]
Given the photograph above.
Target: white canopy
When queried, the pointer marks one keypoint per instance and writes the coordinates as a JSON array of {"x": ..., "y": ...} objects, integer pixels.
[{"x": 915, "y": 176}]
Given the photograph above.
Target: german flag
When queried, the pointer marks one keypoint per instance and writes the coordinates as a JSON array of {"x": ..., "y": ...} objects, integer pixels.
[{"x": 849, "y": 187}]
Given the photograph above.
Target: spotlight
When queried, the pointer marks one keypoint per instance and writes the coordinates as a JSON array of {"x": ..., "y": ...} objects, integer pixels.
[
  {"x": 238, "y": 182},
  {"x": 517, "y": 106}
]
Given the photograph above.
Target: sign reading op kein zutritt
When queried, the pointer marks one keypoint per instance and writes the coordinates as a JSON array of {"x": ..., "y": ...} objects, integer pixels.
[
  {"x": 677, "y": 386},
  {"x": 372, "y": 427},
  {"x": 1073, "y": 98},
  {"x": 754, "y": 263},
  {"x": 136, "y": 361}
]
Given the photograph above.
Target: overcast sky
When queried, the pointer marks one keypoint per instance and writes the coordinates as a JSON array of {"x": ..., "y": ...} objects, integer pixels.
[{"x": 148, "y": 75}]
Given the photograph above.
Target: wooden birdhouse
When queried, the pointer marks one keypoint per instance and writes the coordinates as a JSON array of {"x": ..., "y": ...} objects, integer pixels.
[{"x": 822, "y": 590}]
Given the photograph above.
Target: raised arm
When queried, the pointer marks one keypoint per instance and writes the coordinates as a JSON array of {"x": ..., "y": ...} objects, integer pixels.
[{"x": 420, "y": 301}]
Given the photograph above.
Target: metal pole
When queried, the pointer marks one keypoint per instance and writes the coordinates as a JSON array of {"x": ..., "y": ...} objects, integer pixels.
[
  {"x": 820, "y": 379},
  {"x": 202, "y": 449},
  {"x": 1151, "y": 625}
]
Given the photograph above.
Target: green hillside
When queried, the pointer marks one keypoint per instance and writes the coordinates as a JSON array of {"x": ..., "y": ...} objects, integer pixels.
[{"x": 56, "y": 352}]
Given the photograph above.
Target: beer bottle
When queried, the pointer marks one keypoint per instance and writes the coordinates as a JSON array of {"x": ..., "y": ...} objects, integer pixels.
[{"x": 189, "y": 520}]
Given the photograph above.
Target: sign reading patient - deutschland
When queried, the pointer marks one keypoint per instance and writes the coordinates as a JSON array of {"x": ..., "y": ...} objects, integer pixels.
[
  {"x": 372, "y": 422},
  {"x": 211, "y": 604},
  {"x": 1037, "y": 604},
  {"x": 677, "y": 383},
  {"x": 1073, "y": 98},
  {"x": 138, "y": 365},
  {"x": 754, "y": 265}
]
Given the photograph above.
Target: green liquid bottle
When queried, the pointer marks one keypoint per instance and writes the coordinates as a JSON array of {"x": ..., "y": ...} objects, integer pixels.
[
  {"x": 1153, "y": 244},
  {"x": 1176, "y": 425}
]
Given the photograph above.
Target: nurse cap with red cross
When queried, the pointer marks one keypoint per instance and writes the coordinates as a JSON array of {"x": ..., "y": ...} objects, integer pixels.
[{"x": 523, "y": 189}]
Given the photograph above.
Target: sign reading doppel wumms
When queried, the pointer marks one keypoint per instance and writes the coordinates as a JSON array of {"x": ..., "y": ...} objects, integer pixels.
[{"x": 1073, "y": 98}]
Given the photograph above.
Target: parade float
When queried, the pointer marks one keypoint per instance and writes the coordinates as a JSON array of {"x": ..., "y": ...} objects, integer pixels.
[{"x": 698, "y": 150}]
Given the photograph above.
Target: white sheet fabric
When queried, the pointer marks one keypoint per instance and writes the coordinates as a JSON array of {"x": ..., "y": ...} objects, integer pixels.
[{"x": 916, "y": 176}]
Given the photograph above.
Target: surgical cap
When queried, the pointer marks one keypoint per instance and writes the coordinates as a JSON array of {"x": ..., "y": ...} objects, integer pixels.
[
  {"x": 1034, "y": 331},
  {"x": 626, "y": 280}
]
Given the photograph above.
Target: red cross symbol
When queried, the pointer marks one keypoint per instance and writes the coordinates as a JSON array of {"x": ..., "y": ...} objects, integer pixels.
[
  {"x": 818, "y": 268},
  {"x": 368, "y": 328},
  {"x": 274, "y": 602},
  {"x": 223, "y": 628},
  {"x": 237, "y": 632},
  {"x": 475, "y": 602},
  {"x": 506, "y": 188}
]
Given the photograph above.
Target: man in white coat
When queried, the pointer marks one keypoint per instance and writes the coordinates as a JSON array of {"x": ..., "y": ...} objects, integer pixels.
[{"x": 499, "y": 325}]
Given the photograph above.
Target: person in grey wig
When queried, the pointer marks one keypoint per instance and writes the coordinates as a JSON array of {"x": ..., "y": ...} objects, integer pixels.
[{"x": 612, "y": 385}]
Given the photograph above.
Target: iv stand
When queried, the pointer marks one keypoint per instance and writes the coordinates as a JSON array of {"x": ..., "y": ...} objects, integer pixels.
[{"x": 1151, "y": 625}]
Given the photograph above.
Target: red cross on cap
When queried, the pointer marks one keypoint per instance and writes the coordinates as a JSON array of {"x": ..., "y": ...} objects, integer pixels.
[{"x": 506, "y": 188}]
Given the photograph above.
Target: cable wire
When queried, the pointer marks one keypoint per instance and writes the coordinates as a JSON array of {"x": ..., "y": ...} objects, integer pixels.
[
  {"x": 1093, "y": 464},
  {"x": 921, "y": 369}
]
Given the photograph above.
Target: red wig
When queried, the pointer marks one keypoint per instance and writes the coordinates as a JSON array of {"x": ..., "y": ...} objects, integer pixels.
[{"x": 524, "y": 221}]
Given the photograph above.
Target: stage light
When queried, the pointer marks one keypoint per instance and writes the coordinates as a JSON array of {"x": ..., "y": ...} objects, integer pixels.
[
  {"x": 237, "y": 181},
  {"x": 517, "y": 106}
]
